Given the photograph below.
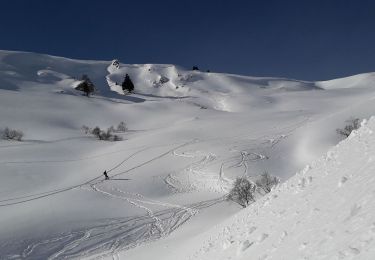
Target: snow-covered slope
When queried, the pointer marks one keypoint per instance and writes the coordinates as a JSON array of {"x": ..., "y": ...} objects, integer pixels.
[
  {"x": 326, "y": 211},
  {"x": 190, "y": 135}
]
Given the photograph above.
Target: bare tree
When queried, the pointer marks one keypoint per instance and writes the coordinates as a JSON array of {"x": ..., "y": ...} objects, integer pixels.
[
  {"x": 352, "y": 124},
  {"x": 122, "y": 127},
  {"x": 266, "y": 182},
  {"x": 243, "y": 191},
  {"x": 86, "y": 129},
  {"x": 96, "y": 131}
]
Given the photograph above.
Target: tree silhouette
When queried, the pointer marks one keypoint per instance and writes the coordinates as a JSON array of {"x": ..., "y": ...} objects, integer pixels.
[
  {"x": 127, "y": 85},
  {"x": 86, "y": 85}
]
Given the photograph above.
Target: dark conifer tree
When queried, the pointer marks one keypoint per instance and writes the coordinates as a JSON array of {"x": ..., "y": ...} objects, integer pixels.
[
  {"x": 127, "y": 85},
  {"x": 86, "y": 85}
]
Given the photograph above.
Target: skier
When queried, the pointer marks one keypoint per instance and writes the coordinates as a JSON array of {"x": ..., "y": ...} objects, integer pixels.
[{"x": 105, "y": 175}]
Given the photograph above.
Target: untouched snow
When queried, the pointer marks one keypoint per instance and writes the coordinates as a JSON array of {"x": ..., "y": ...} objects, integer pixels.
[{"x": 190, "y": 135}]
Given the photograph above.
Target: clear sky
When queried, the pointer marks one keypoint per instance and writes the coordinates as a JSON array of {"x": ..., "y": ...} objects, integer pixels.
[{"x": 305, "y": 39}]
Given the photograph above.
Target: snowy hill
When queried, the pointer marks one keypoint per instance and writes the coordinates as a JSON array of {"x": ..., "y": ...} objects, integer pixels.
[
  {"x": 325, "y": 211},
  {"x": 190, "y": 135}
]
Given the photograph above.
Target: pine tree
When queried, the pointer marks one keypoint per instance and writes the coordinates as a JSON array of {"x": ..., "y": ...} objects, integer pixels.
[
  {"x": 127, "y": 85},
  {"x": 86, "y": 85}
]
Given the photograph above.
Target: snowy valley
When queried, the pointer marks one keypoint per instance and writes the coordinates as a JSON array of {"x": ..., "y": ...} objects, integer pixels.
[{"x": 189, "y": 135}]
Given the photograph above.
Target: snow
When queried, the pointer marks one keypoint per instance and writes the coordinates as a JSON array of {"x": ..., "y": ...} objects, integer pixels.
[
  {"x": 190, "y": 135},
  {"x": 325, "y": 211}
]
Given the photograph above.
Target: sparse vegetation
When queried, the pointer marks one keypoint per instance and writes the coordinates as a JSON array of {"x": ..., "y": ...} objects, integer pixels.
[
  {"x": 266, "y": 182},
  {"x": 122, "y": 127},
  {"x": 12, "y": 134},
  {"x": 243, "y": 191},
  {"x": 106, "y": 135},
  {"x": 352, "y": 124},
  {"x": 85, "y": 129}
]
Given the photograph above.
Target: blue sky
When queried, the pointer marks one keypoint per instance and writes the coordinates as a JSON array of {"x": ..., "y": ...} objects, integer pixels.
[{"x": 311, "y": 40}]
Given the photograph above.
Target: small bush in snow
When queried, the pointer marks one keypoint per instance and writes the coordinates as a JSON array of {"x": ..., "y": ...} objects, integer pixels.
[
  {"x": 96, "y": 131},
  {"x": 86, "y": 129},
  {"x": 11, "y": 134},
  {"x": 104, "y": 135},
  {"x": 117, "y": 138},
  {"x": 111, "y": 129},
  {"x": 122, "y": 127},
  {"x": 266, "y": 182},
  {"x": 352, "y": 124},
  {"x": 243, "y": 191}
]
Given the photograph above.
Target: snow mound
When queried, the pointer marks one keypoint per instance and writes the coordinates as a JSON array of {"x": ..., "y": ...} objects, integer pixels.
[{"x": 356, "y": 81}]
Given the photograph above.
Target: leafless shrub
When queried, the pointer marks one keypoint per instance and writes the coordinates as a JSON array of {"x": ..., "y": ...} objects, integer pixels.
[
  {"x": 122, "y": 127},
  {"x": 352, "y": 124},
  {"x": 266, "y": 182},
  {"x": 86, "y": 129},
  {"x": 105, "y": 135},
  {"x": 111, "y": 129},
  {"x": 243, "y": 192},
  {"x": 96, "y": 131},
  {"x": 12, "y": 134}
]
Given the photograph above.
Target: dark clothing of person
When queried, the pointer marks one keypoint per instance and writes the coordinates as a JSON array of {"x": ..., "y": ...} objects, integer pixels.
[{"x": 105, "y": 175}]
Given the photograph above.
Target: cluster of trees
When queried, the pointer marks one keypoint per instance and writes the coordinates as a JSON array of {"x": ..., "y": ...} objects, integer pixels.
[
  {"x": 11, "y": 134},
  {"x": 244, "y": 190},
  {"x": 107, "y": 135}
]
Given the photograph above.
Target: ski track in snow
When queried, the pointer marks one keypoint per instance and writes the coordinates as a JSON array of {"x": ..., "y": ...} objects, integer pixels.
[
  {"x": 31, "y": 197},
  {"x": 240, "y": 121},
  {"x": 195, "y": 176},
  {"x": 108, "y": 238},
  {"x": 111, "y": 236}
]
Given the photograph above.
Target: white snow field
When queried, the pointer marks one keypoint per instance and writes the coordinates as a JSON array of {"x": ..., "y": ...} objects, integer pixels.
[
  {"x": 190, "y": 135},
  {"x": 326, "y": 211}
]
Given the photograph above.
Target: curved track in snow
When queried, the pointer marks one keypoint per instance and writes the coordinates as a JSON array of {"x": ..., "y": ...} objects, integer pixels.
[
  {"x": 107, "y": 237},
  {"x": 36, "y": 196}
]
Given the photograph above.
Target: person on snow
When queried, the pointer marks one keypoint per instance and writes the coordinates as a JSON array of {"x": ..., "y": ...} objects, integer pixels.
[{"x": 106, "y": 175}]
